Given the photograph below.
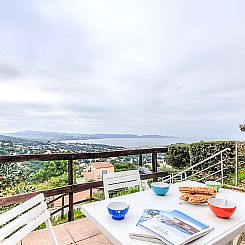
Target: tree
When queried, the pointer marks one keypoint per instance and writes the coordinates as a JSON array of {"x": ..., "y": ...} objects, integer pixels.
[
  {"x": 14, "y": 179},
  {"x": 53, "y": 182},
  {"x": 242, "y": 127},
  {"x": 50, "y": 169},
  {"x": 123, "y": 166}
]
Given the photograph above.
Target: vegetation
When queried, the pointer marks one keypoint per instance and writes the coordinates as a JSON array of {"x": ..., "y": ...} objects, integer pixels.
[
  {"x": 51, "y": 183},
  {"x": 123, "y": 166},
  {"x": 13, "y": 180},
  {"x": 16, "y": 178},
  {"x": 59, "y": 220},
  {"x": 50, "y": 169},
  {"x": 242, "y": 127},
  {"x": 184, "y": 155},
  {"x": 100, "y": 195},
  {"x": 178, "y": 156}
]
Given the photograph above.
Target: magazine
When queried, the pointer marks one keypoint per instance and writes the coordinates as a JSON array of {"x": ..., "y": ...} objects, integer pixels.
[
  {"x": 175, "y": 228},
  {"x": 141, "y": 234}
]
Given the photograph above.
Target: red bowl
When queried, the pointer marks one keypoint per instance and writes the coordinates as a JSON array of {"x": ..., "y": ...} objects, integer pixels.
[{"x": 222, "y": 209}]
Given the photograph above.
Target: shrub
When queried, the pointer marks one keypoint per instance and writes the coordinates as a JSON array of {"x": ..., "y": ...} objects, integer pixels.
[
  {"x": 202, "y": 150},
  {"x": 123, "y": 166},
  {"x": 184, "y": 155},
  {"x": 178, "y": 156}
]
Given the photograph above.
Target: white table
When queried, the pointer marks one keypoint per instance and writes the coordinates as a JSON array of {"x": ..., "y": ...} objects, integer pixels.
[{"x": 118, "y": 231}]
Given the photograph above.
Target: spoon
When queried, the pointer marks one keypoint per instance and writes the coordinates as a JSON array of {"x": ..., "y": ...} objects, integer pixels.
[{"x": 225, "y": 201}]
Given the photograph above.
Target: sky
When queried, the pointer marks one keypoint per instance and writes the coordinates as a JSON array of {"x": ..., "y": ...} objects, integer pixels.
[{"x": 133, "y": 66}]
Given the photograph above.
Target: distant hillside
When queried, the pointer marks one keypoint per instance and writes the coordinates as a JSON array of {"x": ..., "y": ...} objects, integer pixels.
[
  {"x": 7, "y": 138},
  {"x": 18, "y": 140},
  {"x": 56, "y": 136}
]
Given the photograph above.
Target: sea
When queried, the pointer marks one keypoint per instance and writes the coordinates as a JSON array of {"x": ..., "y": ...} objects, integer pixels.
[{"x": 148, "y": 142}]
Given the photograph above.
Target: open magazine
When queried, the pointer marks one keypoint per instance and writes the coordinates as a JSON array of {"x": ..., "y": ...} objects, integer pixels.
[
  {"x": 169, "y": 227},
  {"x": 141, "y": 234}
]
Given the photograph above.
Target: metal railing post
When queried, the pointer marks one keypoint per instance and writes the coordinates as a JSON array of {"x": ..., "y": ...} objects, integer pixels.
[
  {"x": 70, "y": 182},
  {"x": 222, "y": 168},
  {"x": 236, "y": 170}
]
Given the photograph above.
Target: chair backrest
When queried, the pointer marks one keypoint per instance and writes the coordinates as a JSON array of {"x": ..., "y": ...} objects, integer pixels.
[
  {"x": 119, "y": 180},
  {"x": 19, "y": 221}
]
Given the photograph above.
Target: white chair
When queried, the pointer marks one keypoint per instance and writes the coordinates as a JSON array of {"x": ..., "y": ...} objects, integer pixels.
[
  {"x": 119, "y": 180},
  {"x": 18, "y": 222}
]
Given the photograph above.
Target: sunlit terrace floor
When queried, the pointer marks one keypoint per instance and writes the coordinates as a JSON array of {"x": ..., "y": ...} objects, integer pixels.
[{"x": 78, "y": 232}]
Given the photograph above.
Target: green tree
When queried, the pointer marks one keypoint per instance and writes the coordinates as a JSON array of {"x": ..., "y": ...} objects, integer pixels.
[
  {"x": 242, "y": 127},
  {"x": 50, "y": 169},
  {"x": 14, "y": 179},
  {"x": 123, "y": 166},
  {"x": 178, "y": 156},
  {"x": 53, "y": 182}
]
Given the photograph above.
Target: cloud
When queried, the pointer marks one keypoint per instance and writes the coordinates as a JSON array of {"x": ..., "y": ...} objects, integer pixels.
[
  {"x": 7, "y": 72},
  {"x": 167, "y": 67}
]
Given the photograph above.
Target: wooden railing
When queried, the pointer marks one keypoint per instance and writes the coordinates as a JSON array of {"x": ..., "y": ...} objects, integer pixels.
[{"x": 72, "y": 188}]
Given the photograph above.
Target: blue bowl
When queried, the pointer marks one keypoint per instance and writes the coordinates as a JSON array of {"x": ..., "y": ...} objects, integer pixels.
[
  {"x": 160, "y": 188},
  {"x": 117, "y": 210}
]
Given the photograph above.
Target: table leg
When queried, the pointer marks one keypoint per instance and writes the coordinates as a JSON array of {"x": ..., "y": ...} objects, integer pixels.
[{"x": 229, "y": 243}]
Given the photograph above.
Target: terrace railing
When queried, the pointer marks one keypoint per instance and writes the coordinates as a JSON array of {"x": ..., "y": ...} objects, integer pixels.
[
  {"x": 213, "y": 171},
  {"x": 72, "y": 188}
]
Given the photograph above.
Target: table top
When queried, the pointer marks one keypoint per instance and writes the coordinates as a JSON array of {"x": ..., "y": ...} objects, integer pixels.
[{"x": 118, "y": 230}]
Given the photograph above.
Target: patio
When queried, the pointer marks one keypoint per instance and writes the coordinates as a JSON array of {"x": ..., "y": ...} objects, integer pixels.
[
  {"x": 83, "y": 231},
  {"x": 78, "y": 232}
]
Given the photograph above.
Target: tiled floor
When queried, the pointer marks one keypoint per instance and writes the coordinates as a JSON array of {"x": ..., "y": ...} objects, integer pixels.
[{"x": 80, "y": 232}]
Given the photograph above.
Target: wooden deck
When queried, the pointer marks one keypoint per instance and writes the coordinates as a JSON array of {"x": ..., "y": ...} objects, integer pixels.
[{"x": 80, "y": 232}]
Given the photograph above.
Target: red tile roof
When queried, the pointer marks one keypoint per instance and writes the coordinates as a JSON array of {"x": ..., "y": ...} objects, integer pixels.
[{"x": 98, "y": 165}]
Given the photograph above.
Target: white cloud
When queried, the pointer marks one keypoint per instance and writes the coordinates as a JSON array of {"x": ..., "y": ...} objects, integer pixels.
[
  {"x": 167, "y": 67},
  {"x": 24, "y": 91}
]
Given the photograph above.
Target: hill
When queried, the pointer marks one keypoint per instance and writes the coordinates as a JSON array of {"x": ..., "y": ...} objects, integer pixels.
[
  {"x": 57, "y": 136},
  {"x": 19, "y": 140}
]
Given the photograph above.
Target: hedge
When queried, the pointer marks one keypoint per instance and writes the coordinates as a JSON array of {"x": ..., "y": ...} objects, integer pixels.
[
  {"x": 184, "y": 155},
  {"x": 178, "y": 156}
]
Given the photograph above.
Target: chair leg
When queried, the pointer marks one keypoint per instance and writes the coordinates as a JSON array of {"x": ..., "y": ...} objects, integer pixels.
[
  {"x": 230, "y": 243},
  {"x": 239, "y": 239},
  {"x": 52, "y": 236},
  {"x": 144, "y": 185}
]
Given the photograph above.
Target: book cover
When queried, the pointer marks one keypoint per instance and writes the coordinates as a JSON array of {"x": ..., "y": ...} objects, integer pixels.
[
  {"x": 175, "y": 228},
  {"x": 141, "y": 234},
  {"x": 150, "y": 214}
]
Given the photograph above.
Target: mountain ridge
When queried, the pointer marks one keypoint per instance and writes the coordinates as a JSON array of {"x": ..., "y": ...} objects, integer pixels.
[
  {"x": 18, "y": 140},
  {"x": 59, "y": 136}
]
